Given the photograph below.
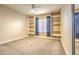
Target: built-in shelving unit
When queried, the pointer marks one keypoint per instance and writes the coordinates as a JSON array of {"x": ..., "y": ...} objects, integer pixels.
[
  {"x": 31, "y": 27},
  {"x": 55, "y": 25}
]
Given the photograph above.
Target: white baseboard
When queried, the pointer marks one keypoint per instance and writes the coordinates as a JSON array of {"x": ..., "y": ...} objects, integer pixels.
[
  {"x": 65, "y": 48},
  {"x": 41, "y": 36},
  {"x": 46, "y": 37},
  {"x": 10, "y": 40}
]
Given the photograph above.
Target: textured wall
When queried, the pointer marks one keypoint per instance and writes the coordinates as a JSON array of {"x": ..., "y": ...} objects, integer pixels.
[
  {"x": 66, "y": 28},
  {"x": 12, "y": 24}
]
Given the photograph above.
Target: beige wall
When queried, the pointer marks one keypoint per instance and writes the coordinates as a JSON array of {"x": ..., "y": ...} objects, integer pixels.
[
  {"x": 13, "y": 25},
  {"x": 66, "y": 28}
]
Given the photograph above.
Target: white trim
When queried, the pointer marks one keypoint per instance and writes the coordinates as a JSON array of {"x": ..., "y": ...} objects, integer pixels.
[
  {"x": 12, "y": 40},
  {"x": 47, "y": 37},
  {"x": 65, "y": 48}
]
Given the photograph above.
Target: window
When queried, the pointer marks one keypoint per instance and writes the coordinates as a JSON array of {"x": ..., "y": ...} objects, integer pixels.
[
  {"x": 77, "y": 25},
  {"x": 42, "y": 25}
]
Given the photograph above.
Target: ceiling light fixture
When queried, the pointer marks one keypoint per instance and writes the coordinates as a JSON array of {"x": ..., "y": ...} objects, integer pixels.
[{"x": 35, "y": 8}]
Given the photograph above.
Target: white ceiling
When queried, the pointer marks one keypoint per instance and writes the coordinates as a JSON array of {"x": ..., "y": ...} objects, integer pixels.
[{"x": 27, "y": 8}]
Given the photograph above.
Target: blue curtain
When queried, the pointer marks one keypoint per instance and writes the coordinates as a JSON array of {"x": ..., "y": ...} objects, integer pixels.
[
  {"x": 77, "y": 25},
  {"x": 48, "y": 25},
  {"x": 37, "y": 32}
]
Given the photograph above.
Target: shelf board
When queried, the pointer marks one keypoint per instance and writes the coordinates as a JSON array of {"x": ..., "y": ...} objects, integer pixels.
[
  {"x": 31, "y": 30},
  {"x": 58, "y": 13},
  {"x": 56, "y": 24},
  {"x": 55, "y": 17},
  {"x": 31, "y": 27},
  {"x": 56, "y": 36},
  {"x": 55, "y": 20},
  {"x": 56, "y": 32},
  {"x": 31, "y": 21},
  {"x": 31, "y": 24},
  {"x": 31, "y": 34}
]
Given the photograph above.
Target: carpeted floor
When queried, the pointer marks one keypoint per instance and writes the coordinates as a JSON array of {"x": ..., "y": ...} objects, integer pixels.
[
  {"x": 77, "y": 47},
  {"x": 32, "y": 46}
]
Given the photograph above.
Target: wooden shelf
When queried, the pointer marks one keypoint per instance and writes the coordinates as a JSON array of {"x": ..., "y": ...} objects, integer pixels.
[
  {"x": 56, "y": 20},
  {"x": 31, "y": 20},
  {"x": 55, "y": 17},
  {"x": 31, "y": 23},
  {"x": 56, "y": 32},
  {"x": 56, "y": 24},
  {"x": 31, "y": 30},
  {"x": 58, "y": 13},
  {"x": 31, "y": 34},
  {"x": 31, "y": 26},
  {"x": 56, "y": 36}
]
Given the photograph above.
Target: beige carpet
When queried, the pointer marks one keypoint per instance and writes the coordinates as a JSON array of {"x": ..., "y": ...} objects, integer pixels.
[
  {"x": 32, "y": 46},
  {"x": 77, "y": 47}
]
